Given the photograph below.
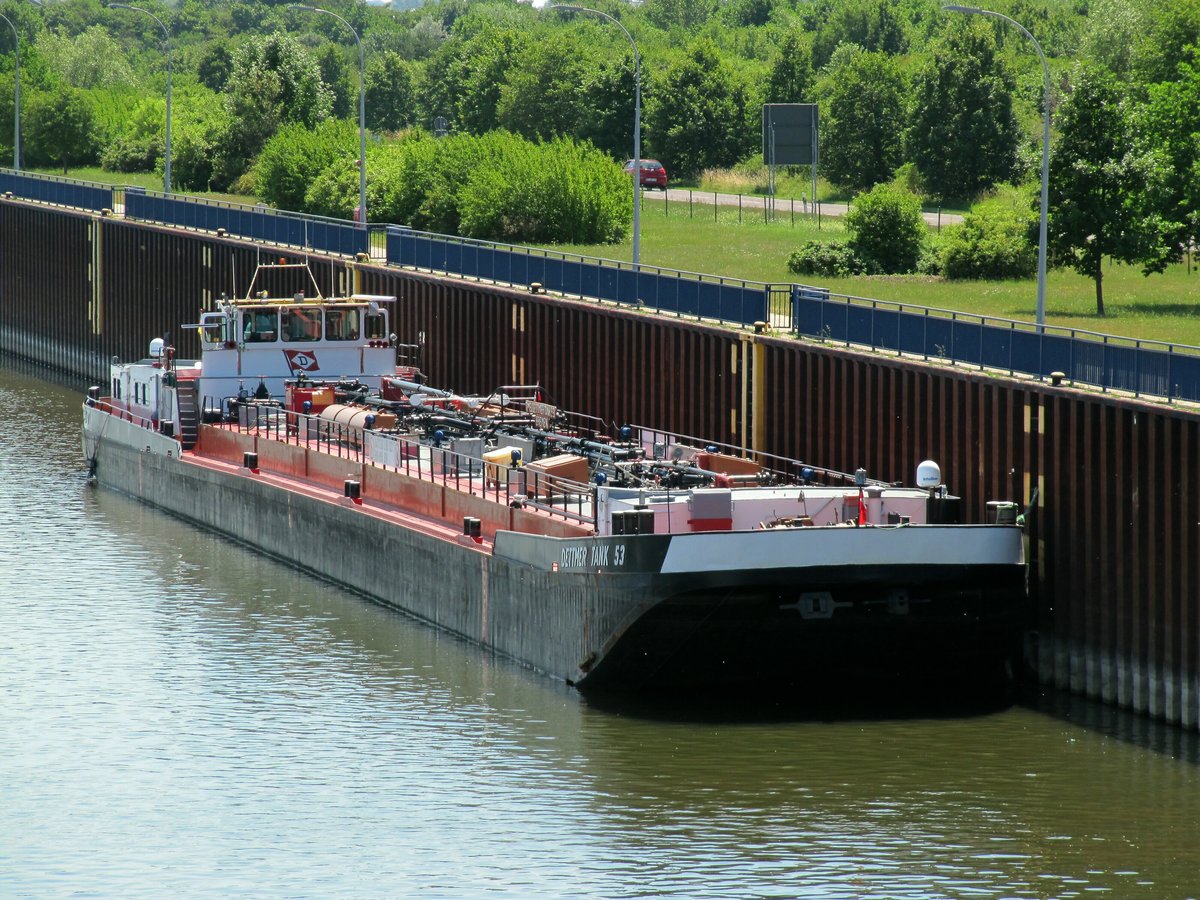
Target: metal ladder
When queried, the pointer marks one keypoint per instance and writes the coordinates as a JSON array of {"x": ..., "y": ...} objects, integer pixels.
[{"x": 189, "y": 413}]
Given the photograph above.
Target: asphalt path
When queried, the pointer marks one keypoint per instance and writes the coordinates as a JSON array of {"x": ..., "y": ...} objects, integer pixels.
[{"x": 783, "y": 206}]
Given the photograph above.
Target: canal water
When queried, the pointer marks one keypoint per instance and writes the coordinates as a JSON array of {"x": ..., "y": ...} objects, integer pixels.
[{"x": 179, "y": 716}]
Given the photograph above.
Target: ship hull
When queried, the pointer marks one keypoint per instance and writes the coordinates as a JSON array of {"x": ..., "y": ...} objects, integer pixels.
[{"x": 637, "y": 613}]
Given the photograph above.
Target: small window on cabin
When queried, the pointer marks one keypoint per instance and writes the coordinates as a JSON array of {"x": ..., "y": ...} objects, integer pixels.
[
  {"x": 116, "y": 389},
  {"x": 342, "y": 324},
  {"x": 260, "y": 324},
  {"x": 213, "y": 330},
  {"x": 376, "y": 326},
  {"x": 301, "y": 324}
]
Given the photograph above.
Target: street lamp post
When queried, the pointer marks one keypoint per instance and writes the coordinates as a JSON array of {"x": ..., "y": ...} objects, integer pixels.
[
  {"x": 1041, "y": 284},
  {"x": 167, "y": 44},
  {"x": 16, "y": 96},
  {"x": 362, "y": 110},
  {"x": 637, "y": 123}
]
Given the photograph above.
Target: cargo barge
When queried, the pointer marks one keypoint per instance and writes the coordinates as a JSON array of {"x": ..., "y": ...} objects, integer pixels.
[{"x": 613, "y": 557}]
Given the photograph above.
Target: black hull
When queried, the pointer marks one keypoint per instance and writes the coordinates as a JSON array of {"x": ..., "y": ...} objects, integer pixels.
[{"x": 909, "y": 624}]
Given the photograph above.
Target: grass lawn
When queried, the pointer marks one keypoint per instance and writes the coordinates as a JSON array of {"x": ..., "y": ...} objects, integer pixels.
[
  {"x": 147, "y": 180},
  {"x": 1162, "y": 307}
]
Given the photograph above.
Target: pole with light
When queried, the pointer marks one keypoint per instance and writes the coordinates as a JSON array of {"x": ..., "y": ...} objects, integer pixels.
[
  {"x": 1041, "y": 284},
  {"x": 637, "y": 122},
  {"x": 362, "y": 109},
  {"x": 16, "y": 95},
  {"x": 167, "y": 44}
]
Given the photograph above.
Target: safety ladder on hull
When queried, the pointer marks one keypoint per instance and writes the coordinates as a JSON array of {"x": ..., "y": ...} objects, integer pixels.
[{"x": 189, "y": 413}]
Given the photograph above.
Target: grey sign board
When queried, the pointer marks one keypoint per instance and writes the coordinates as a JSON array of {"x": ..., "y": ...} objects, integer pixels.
[{"x": 789, "y": 134}]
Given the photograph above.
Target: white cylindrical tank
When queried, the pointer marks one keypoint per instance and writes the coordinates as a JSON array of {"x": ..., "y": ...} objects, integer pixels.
[{"x": 929, "y": 474}]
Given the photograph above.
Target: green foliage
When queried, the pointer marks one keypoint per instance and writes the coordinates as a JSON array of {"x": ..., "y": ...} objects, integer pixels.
[
  {"x": 1170, "y": 36},
  {"x": 874, "y": 25},
  {"x": 391, "y": 98},
  {"x": 138, "y": 143},
  {"x": 993, "y": 240},
  {"x": 863, "y": 118},
  {"x": 887, "y": 230},
  {"x": 296, "y": 154},
  {"x": 540, "y": 97},
  {"x": 697, "y": 114},
  {"x": 91, "y": 59},
  {"x": 833, "y": 259},
  {"x": 496, "y": 187},
  {"x": 1098, "y": 182},
  {"x": 463, "y": 79},
  {"x": 791, "y": 76},
  {"x": 273, "y": 81},
  {"x": 1169, "y": 125},
  {"x": 963, "y": 132},
  {"x": 688, "y": 15},
  {"x": 58, "y": 128}
]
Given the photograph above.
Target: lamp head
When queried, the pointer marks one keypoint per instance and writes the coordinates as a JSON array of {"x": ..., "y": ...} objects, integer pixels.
[{"x": 953, "y": 7}]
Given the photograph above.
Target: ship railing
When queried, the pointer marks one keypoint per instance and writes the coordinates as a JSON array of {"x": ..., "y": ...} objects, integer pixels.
[
  {"x": 105, "y": 404},
  {"x": 514, "y": 486},
  {"x": 669, "y": 445}
]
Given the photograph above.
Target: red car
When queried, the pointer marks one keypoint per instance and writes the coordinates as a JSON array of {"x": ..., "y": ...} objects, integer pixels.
[{"x": 653, "y": 174}]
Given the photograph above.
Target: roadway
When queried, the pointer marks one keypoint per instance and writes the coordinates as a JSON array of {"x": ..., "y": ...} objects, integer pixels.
[{"x": 783, "y": 206}]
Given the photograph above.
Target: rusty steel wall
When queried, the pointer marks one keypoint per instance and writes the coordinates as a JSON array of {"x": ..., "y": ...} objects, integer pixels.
[{"x": 1114, "y": 538}]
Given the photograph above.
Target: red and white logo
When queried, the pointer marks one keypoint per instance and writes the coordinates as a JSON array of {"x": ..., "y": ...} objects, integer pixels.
[{"x": 302, "y": 361}]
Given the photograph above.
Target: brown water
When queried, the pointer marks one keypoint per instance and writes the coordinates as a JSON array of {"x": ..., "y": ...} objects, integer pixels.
[{"x": 181, "y": 716}]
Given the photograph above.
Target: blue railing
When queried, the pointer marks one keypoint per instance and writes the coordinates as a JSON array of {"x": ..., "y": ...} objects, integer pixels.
[
  {"x": 649, "y": 287},
  {"x": 256, "y": 223},
  {"x": 1105, "y": 361},
  {"x": 59, "y": 191}
]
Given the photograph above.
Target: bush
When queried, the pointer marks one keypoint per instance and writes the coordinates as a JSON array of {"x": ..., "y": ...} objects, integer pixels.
[
  {"x": 295, "y": 155},
  {"x": 831, "y": 258},
  {"x": 993, "y": 240},
  {"x": 496, "y": 187},
  {"x": 887, "y": 230}
]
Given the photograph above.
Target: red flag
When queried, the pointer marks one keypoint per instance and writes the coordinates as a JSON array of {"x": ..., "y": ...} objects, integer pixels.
[{"x": 862, "y": 508}]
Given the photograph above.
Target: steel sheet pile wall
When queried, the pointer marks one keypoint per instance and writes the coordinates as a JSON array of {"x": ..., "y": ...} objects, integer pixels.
[
  {"x": 46, "y": 258},
  {"x": 76, "y": 290},
  {"x": 1114, "y": 539}
]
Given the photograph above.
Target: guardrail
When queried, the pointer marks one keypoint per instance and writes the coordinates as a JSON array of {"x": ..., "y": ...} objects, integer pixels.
[
  {"x": 1102, "y": 360},
  {"x": 662, "y": 290},
  {"x": 1107, "y": 361},
  {"x": 57, "y": 191}
]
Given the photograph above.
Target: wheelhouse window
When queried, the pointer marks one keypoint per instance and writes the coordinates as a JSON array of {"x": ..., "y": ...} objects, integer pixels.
[
  {"x": 342, "y": 324},
  {"x": 212, "y": 329},
  {"x": 376, "y": 325},
  {"x": 301, "y": 324},
  {"x": 260, "y": 324}
]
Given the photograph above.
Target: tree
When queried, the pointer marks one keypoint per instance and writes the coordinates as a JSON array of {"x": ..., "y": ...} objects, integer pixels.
[
  {"x": 295, "y": 155},
  {"x": 886, "y": 229},
  {"x": 273, "y": 81},
  {"x": 539, "y": 99},
  {"x": 963, "y": 133},
  {"x": 863, "y": 118},
  {"x": 1099, "y": 182},
  {"x": 390, "y": 95},
  {"x": 1170, "y": 36},
  {"x": 791, "y": 76},
  {"x": 688, "y": 15},
  {"x": 58, "y": 127},
  {"x": 874, "y": 25},
  {"x": 697, "y": 113},
  {"x": 88, "y": 60},
  {"x": 1169, "y": 123}
]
